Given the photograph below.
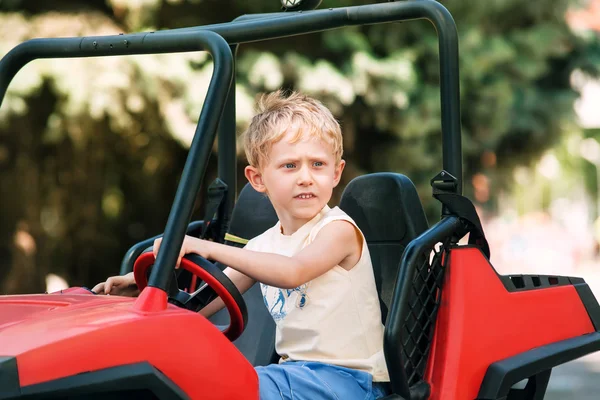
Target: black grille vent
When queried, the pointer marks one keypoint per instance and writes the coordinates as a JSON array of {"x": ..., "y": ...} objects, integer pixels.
[{"x": 423, "y": 303}]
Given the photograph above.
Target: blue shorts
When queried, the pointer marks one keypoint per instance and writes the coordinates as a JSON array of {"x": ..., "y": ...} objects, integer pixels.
[{"x": 300, "y": 380}]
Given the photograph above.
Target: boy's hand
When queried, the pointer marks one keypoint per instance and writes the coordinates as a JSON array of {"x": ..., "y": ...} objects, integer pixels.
[
  {"x": 118, "y": 286},
  {"x": 190, "y": 245}
]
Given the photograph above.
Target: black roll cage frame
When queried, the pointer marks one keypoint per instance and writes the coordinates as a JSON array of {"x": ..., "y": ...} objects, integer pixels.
[{"x": 218, "y": 111}]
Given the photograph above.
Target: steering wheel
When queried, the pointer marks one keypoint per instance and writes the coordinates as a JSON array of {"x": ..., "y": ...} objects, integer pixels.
[{"x": 217, "y": 284}]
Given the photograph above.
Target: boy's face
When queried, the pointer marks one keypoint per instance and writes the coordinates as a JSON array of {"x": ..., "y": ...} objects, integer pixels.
[{"x": 298, "y": 177}]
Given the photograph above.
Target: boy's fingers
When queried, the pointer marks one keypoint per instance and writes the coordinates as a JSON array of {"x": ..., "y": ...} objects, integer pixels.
[
  {"x": 98, "y": 288},
  {"x": 156, "y": 246},
  {"x": 108, "y": 285},
  {"x": 181, "y": 254}
]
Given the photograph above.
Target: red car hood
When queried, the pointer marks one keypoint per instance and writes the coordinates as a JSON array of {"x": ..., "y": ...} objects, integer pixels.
[
  {"x": 56, "y": 336},
  {"x": 20, "y": 309},
  {"x": 28, "y": 321}
]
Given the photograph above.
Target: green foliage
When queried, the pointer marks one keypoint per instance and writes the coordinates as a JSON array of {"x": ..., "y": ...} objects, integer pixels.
[{"x": 104, "y": 140}]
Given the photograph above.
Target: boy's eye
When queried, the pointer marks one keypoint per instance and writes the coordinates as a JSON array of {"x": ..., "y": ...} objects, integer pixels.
[
  {"x": 289, "y": 165},
  {"x": 318, "y": 164}
]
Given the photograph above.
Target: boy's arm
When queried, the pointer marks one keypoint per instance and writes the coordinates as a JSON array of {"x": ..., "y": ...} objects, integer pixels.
[
  {"x": 125, "y": 286},
  {"x": 335, "y": 242},
  {"x": 241, "y": 281}
]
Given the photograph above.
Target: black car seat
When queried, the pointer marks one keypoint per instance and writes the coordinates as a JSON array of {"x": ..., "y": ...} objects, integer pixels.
[
  {"x": 252, "y": 215},
  {"x": 387, "y": 209}
]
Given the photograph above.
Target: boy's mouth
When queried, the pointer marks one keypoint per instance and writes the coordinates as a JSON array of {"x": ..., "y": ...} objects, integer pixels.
[{"x": 305, "y": 196}]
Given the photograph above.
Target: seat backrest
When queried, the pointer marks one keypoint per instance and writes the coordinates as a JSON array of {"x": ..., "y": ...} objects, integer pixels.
[
  {"x": 252, "y": 215},
  {"x": 387, "y": 209}
]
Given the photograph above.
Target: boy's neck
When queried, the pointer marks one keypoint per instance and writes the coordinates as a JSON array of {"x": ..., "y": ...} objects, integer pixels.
[{"x": 290, "y": 225}]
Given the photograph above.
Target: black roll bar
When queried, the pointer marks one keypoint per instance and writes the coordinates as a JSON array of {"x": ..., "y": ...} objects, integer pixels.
[{"x": 253, "y": 28}]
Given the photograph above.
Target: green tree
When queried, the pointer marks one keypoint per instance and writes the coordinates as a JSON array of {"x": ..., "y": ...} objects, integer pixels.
[{"x": 101, "y": 142}]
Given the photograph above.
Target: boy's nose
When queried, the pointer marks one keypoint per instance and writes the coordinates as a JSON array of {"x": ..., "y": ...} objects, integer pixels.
[{"x": 304, "y": 177}]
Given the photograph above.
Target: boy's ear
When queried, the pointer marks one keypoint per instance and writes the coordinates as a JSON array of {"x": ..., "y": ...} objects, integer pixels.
[
  {"x": 255, "y": 178},
  {"x": 338, "y": 172}
]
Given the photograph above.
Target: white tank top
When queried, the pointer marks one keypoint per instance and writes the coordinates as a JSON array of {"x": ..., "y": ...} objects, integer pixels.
[{"x": 334, "y": 318}]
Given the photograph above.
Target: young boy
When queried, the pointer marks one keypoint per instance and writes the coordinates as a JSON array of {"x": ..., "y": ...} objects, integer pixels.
[{"x": 314, "y": 266}]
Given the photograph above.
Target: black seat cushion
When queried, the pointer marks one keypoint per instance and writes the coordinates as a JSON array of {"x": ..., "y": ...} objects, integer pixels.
[
  {"x": 253, "y": 214},
  {"x": 387, "y": 209}
]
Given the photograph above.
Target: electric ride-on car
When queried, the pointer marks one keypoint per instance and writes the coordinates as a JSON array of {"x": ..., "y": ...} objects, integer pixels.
[{"x": 454, "y": 328}]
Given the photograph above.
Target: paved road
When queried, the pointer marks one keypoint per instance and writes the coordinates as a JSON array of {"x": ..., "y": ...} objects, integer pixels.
[{"x": 578, "y": 380}]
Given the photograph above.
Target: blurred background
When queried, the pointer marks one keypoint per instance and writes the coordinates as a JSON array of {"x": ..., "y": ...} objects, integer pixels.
[{"x": 91, "y": 149}]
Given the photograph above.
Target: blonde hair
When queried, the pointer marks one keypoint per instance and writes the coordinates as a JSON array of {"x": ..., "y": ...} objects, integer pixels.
[{"x": 277, "y": 112}]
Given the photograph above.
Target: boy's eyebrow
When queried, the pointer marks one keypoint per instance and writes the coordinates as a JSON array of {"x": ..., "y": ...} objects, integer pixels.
[{"x": 285, "y": 159}]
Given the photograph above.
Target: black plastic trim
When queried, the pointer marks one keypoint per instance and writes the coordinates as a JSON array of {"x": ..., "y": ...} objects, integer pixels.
[
  {"x": 9, "y": 377},
  {"x": 502, "y": 375},
  {"x": 588, "y": 299},
  {"x": 520, "y": 283},
  {"x": 139, "y": 376}
]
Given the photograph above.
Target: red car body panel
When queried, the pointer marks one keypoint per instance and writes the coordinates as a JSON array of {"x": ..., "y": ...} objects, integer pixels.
[
  {"x": 481, "y": 322},
  {"x": 55, "y": 336}
]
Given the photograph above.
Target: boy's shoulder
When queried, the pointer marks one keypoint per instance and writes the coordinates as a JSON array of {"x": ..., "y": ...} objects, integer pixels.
[
  {"x": 334, "y": 213},
  {"x": 331, "y": 215}
]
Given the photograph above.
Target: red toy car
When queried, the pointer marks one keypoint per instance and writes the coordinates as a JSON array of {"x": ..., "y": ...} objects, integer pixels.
[{"x": 455, "y": 329}]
